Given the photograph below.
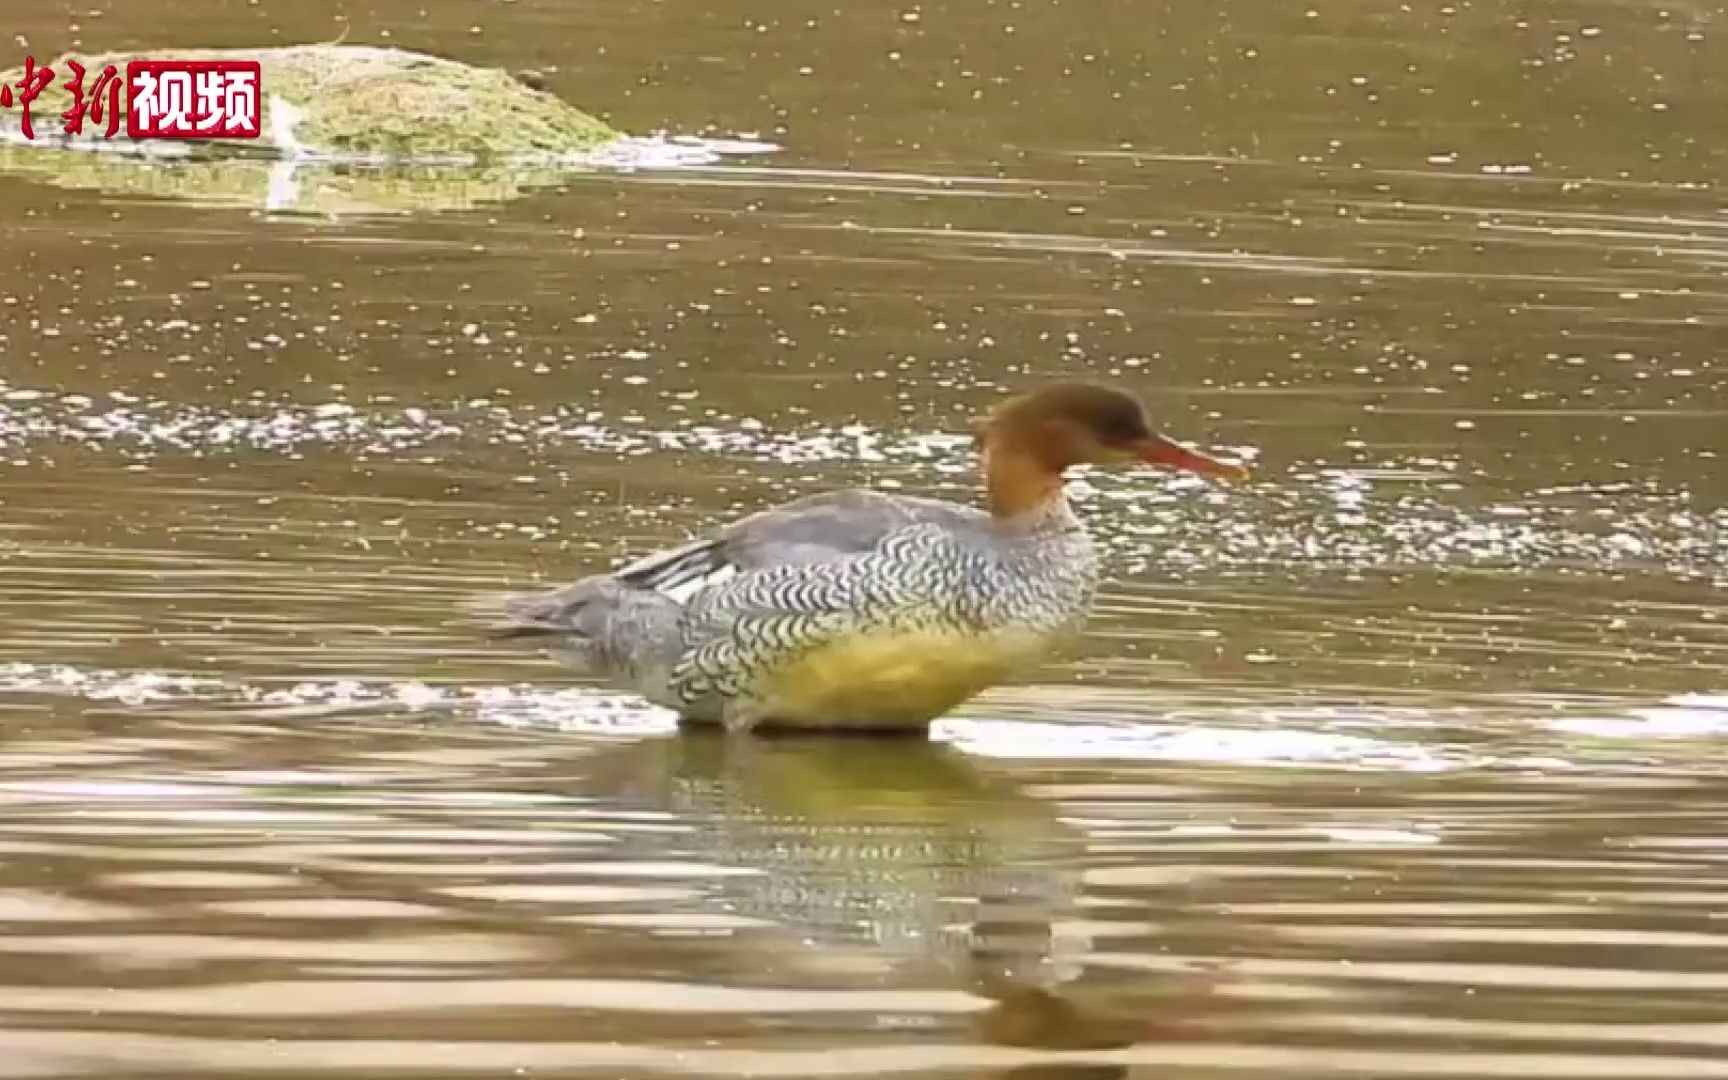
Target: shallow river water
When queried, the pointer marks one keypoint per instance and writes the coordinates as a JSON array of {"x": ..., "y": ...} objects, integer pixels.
[{"x": 1405, "y": 760}]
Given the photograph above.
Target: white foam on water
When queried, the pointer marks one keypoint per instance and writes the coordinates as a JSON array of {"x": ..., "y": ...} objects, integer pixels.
[
  {"x": 1358, "y": 738},
  {"x": 1295, "y": 744},
  {"x": 668, "y": 152},
  {"x": 126, "y": 687},
  {"x": 572, "y": 710},
  {"x": 1686, "y": 716}
]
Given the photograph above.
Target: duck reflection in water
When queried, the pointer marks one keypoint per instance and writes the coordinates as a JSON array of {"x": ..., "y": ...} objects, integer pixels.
[{"x": 904, "y": 862}]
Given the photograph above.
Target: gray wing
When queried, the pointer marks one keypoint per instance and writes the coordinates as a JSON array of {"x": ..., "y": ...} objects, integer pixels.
[{"x": 816, "y": 528}]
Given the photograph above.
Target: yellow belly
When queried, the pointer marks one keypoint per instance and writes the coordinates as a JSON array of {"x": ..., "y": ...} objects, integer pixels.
[{"x": 902, "y": 679}]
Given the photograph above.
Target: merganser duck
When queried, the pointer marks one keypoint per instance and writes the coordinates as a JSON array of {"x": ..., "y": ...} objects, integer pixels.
[{"x": 861, "y": 610}]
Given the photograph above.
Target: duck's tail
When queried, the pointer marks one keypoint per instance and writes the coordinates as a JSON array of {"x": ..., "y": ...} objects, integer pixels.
[{"x": 603, "y": 627}]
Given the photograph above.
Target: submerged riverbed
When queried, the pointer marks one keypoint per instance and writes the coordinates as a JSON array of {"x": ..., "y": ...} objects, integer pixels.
[{"x": 1403, "y": 761}]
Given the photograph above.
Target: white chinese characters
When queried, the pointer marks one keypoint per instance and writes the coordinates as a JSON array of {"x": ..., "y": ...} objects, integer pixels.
[{"x": 192, "y": 100}]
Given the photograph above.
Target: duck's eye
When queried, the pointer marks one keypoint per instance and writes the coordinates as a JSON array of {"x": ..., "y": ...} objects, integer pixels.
[{"x": 1123, "y": 430}]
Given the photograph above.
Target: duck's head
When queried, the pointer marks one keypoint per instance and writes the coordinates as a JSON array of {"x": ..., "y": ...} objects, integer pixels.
[{"x": 1068, "y": 424}]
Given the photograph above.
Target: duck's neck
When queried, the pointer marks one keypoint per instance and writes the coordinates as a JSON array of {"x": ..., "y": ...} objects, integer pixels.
[{"x": 1019, "y": 486}]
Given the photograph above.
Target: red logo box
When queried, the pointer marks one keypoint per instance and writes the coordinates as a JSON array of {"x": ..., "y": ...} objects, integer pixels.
[{"x": 194, "y": 99}]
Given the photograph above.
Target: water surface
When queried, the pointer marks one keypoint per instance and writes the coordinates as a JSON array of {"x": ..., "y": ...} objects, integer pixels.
[{"x": 1403, "y": 761}]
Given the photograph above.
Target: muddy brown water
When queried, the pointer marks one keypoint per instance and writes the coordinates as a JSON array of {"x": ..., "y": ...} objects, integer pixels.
[{"x": 1404, "y": 761}]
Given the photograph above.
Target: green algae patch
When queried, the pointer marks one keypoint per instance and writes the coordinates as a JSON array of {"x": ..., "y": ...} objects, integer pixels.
[{"x": 361, "y": 101}]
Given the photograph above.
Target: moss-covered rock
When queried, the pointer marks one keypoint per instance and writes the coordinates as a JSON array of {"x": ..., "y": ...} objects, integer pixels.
[
  {"x": 248, "y": 183},
  {"x": 360, "y": 101}
]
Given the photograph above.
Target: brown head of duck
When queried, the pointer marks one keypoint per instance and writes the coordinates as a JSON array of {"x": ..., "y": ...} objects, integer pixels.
[{"x": 1029, "y": 441}]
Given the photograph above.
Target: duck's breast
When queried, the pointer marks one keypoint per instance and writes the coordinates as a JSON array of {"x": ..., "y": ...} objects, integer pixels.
[{"x": 896, "y": 676}]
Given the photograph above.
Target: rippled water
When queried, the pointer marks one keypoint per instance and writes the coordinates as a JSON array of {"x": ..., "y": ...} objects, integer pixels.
[{"x": 1403, "y": 761}]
